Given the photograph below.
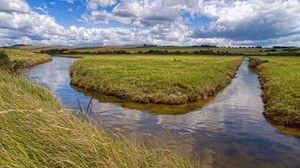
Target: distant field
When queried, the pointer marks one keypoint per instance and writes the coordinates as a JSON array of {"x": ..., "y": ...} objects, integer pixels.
[
  {"x": 281, "y": 85},
  {"x": 166, "y": 50},
  {"x": 155, "y": 79}
]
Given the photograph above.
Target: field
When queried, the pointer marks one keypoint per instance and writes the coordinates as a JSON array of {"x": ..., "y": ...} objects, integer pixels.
[
  {"x": 166, "y": 50},
  {"x": 36, "y": 131},
  {"x": 155, "y": 79},
  {"x": 280, "y": 78}
]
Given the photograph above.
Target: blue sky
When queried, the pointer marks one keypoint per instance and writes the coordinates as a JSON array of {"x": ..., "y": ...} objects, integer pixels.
[{"x": 160, "y": 22}]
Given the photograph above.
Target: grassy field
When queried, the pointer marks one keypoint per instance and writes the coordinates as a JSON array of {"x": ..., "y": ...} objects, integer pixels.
[
  {"x": 155, "y": 79},
  {"x": 29, "y": 58},
  {"x": 184, "y": 50},
  {"x": 280, "y": 78},
  {"x": 36, "y": 131}
]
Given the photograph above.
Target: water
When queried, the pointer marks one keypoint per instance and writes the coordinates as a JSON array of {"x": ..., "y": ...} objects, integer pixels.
[{"x": 228, "y": 131}]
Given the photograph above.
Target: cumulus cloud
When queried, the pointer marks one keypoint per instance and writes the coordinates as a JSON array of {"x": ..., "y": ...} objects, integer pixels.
[
  {"x": 10, "y": 6},
  {"x": 142, "y": 12},
  {"x": 160, "y": 22},
  {"x": 249, "y": 20}
]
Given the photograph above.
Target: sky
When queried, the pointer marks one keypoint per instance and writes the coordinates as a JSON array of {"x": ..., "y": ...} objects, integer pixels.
[{"x": 157, "y": 22}]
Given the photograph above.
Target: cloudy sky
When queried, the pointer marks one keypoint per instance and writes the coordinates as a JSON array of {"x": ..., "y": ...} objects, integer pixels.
[{"x": 160, "y": 22}]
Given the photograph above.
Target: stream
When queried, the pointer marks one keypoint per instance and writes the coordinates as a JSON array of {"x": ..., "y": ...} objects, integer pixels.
[{"x": 227, "y": 131}]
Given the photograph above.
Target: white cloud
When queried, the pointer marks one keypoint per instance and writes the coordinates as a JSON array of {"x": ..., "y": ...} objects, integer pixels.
[
  {"x": 42, "y": 9},
  {"x": 69, "y": 1},
  {"x": 158, "y": 22},
  {"x": 95, "y": 4},
  {"x": 249, "y": 20},
  {"x": 137, "y": 12},
  {"x": 14, "y": 6}
]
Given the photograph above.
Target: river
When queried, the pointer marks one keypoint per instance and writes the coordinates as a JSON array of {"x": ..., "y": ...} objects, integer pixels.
[{"x": 228, "y": 131}]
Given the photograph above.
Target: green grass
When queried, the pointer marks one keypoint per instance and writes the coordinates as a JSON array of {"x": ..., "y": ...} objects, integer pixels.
[
  {"x": 184, "y": 49},
  {"x": 281, "y": 85},
  {"x": 36, "y": 131},
  {"x": 29, "y": 58},
  {"x": 155, "y": 79}
]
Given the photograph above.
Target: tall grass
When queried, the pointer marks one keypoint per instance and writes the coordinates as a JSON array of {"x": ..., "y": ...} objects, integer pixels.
[
  {"x": 27, "y": 58},
  {"x": 280, "y": 79},
  {"x": 36, "y": 131},
  {"x": 155, "y": 79}
]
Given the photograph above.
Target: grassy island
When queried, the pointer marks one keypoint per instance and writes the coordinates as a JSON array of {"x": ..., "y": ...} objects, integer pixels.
[{"x": 155, "y": 79}]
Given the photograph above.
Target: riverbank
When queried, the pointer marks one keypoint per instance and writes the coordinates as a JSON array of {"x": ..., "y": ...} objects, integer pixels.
[
  {"x": 280, "y": 80},
  {"x": 155, "y": 79},
  {"x": 27, "y": 58},
  {"x": 36, "y": 131}
]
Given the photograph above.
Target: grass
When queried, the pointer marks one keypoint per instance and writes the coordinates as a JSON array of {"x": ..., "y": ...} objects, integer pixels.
[
  {"x": 155, "y": 79},
  {"x": 28, "y": 58},
  {"x": 183, "y": 49},
  {"x": 36, "y": 131},
  {"x": 280, "y": 79}
]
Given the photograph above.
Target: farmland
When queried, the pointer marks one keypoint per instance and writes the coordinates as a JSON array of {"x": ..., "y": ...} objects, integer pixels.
[
  {"x": 155, "y": 79},
  {"x": 165, "y": 50}
]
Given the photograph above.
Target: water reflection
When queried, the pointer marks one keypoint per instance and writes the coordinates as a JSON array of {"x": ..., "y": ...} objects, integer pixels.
[{"x": 230, "y": 129}]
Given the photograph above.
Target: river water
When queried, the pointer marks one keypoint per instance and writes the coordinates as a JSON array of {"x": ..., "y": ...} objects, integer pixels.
[{"x": 228, "y": 131}]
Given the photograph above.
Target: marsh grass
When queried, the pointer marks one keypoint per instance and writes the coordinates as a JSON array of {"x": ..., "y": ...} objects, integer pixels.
[
  {"x": 36, "y": 131},
  {"x": 280, "y": 80},
  {"x": 155, "y": 79},
  {"x": 27, "y": 58}
]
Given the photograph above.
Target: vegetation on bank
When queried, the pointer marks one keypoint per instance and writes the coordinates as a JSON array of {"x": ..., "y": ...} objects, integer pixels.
[
  {"x": 25, "y": 58},
  {"x": 280, "y": 79},
  {"x": 155, "y": 79},
  {"x": 37, "y": 132}
]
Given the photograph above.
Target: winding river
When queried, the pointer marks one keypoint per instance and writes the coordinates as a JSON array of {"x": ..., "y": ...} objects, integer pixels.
[{"x": 228, "y": 131}]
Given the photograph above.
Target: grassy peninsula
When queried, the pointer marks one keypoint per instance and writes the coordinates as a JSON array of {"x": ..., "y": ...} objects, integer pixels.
[
  {"x": 155, "y": 79},
  {"x": 280, "y": 79},
  {"x": 36, "y": 131}
]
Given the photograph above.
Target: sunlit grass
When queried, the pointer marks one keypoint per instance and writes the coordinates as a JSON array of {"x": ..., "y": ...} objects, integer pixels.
[
  {"x": 155, "y": 79},
  {"x": 29, "y": 58},
  {"x": 36, "y": 131},
  {"x": 281, "y": 85}
]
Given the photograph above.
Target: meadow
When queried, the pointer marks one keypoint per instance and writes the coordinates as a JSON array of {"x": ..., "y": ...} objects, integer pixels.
[
  {"x": 164, "y": 50},
  {"x": 155, "y": 79},
  {"x": 280, "y": 79},
  {"x": 36, "y": 131}
]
